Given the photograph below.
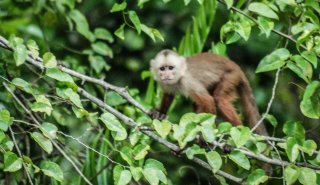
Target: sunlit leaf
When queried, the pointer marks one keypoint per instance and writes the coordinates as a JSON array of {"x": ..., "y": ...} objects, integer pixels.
[
  {"x": 263, "y": 9},
  {"x": 12, "y": 162},
  {"x": 240, "y": 159},
  {"x": 52, "y": 169},
  {"x": 215, "y": 161},
  {"x": 310, "y": 104}
]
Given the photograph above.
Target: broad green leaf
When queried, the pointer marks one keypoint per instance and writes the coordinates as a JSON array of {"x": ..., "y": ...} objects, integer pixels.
[
  {"x": 102, "y": 49},
  {"x": 162, "y": 127},
  {"x": 136, "y": 173},
  {"x": 229, "y": 3},
  {"x": 240, "y": 135},
  {"x": 119, "y": 7},
  {"x": 307, "y": 176},
  {"x": 49, "y": 60},
  {"x": 263, "y": 9},
  {"x": 120, "y": 32},
  {"x": 273, "y": 61},
  {"x": 126, "y": 154},
  {"x": 215, "y": 161},
  {"x": 81, "y": 24},
  {"x": 291, "y": 174},
  {"x": 154, "y": 172},
  {"x": 11, "y": 162},
  {"x": 73, "y": 97},
  {"x": 224, "y": 127},
  {"x": 219, "y": 48},
  {"x": 113, "y": 124},
  {"x": 103, "y": 34},
  {"x": 309, "y": 146},
  {"x": 301, "y": 27},
  {"x": 98, "y": 63},
  {"x": 271, "y": 119},
  {"x": 140, "y": 151},
  {"x": 44, "y": 142},
  {"x": 301, "y": 67},
  {"x": 121, "y": 176},
  {"x": 240, "y": 159},
  {"x": 292, "y": 149},
  {"x": 148, "y": 31},
  {"x": 56, "y": 74},
  {"x": 142, "y": 2},
  {"x": 186, "y": 2},
  {"x": 194, "y": 150},
  {"x": 243, "y": 28},
  {"x": 5, "y": 120},
  {"x": 49, "y": 130},
  {"x": 114, "y": 99},
  {"x": 310, "y": 104},
  {"x": 294, "y": 129},
  {"x": 41, "y": 107},
  {"x": 134, "y": 137},
  {"x": 20, "y": 54},
  {"x": 311, "y": 57},
  {"x": 52, "y": 169},
  {"x": 256, "y": 177},
  {"x": 33, "y": 48},
  {"x": 265, "y": 25},
  {"x": 25, "y": 86},
  {"x": 135, "y": 20}
]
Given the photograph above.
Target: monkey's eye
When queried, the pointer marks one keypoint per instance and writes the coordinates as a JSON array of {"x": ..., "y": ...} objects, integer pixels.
[
  {"x": 171, "y": 67},
  {"x": 162, "y": 68}
]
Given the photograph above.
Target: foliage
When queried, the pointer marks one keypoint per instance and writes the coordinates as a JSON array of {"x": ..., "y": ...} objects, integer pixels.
[{"x": 61, "y": 123}]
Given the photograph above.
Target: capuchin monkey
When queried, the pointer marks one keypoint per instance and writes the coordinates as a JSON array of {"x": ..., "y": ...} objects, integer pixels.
[{"x": 211, "y": 81}]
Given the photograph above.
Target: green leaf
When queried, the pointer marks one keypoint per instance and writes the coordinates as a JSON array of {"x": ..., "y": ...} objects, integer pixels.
[
  {"x": 162, "y": 127},
  {"x": 135, "y": 20},
  {"x": 273, "y": 61},
  {"x": 102, "y": 49},
  {"x": 81, "y": 24},
  {"x": 224, "y": 127},
  {"x": 114, "y": 99},
  {"x": 5, "y": 120},
  {"x": 20, "y": 54},
  {"x": 120, "y": 32},
  {"x": 119, "y": 7},
  {"x": 25, "y": 86},
  {"x": 73, "y": 97},
  {"x": 271, "y": 119},
  {"x": 307, "y": 176},
  {"x": 186, "y": 2},
  {"x": 148, "y": 31},
  {"x": 140, "y": 151},
  {"x": 120, "y": 176},
  {"x": 229, "y": 3},
  {"x": 311, "y": 57},
  {"x": 56, "y": 74},
  {"x": 41, "y": 107},
  {"x": 49, "y": 60},
  {"x": 154, "y": 172},
  {"x": 51, "y": 169},
  {"x": 33, "y": 48},
  {"x": 214, "y": 160},
  {"x": 45, "y": 143},
  {"x": 310, "y": 104},
  {"x": 301, "y": 67},
  {"x": 240, "y": 135},
  {"x": 219, "y": 48},
  {"x": 208, "y": 127},
  {"x": 294, "y": 129},
  {"x": 12, "y": 162},
  {"x": 126, "y": 154},
  {"x": 257, "y": 177},
  {"x": 113, "y": 124},
  {"x": 136, "y": 173},
  {"x": 98, "y": 63},
  {"x": 309, "y": 146},
  {"x": 194, "y": 150},
  {"x": 103, "y": 34},
  {"x": 265, "y": 25},
  {"x": 240, "y": 159},
  {"x": 263, "y": 9},
  {"x": 49, "y": 130},
  {"x": 292, "y": 149},
  {"x": 291, "y": 174},
  {"x": 243, "y": 28}
]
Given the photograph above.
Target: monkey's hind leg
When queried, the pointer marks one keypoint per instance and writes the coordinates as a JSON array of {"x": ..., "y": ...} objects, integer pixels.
[{"x": 204, "y": 103}]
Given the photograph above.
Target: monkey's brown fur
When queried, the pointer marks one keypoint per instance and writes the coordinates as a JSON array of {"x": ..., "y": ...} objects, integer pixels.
[{"x": 211, "y": 81}]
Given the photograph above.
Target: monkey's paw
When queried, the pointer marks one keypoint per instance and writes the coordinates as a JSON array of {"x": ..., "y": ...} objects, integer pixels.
[{"x": 155, "y": 114}]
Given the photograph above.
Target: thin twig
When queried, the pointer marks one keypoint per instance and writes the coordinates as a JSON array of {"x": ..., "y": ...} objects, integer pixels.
[{"x": 20, "y": 155}]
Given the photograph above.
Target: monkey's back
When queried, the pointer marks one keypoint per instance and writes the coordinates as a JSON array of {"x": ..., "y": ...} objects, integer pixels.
[{"x": 209, "y": 68}]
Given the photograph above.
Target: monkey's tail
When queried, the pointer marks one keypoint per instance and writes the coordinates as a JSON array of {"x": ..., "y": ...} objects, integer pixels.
[{"x": 250, "y": 108}]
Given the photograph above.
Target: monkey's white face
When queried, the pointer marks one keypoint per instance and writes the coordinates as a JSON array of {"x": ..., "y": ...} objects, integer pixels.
[{"x": 168, "y": 69}]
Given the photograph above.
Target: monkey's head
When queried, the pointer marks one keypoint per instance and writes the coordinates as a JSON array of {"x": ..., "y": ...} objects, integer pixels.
[{"x": 168, "y": 67}]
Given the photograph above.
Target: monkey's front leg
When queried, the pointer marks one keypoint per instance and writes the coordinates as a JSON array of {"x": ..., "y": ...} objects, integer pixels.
[
  {"x": 166, "y": 101},
  {"x": 204, "y": 103}
]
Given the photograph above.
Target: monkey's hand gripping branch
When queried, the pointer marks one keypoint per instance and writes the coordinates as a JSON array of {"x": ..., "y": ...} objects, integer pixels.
[{"x": 155, "y": 114}]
